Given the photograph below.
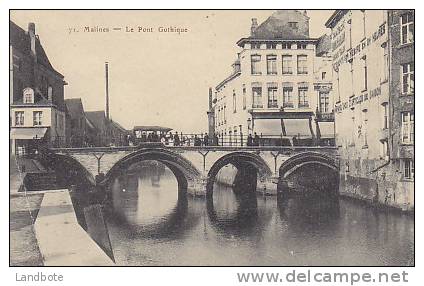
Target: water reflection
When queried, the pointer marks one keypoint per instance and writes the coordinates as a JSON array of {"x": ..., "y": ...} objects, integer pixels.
[{"x": 150, "y": 224}]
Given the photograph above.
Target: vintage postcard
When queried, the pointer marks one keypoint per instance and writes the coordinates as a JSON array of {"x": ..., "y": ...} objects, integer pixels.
[{"x": 212, "y": 138}]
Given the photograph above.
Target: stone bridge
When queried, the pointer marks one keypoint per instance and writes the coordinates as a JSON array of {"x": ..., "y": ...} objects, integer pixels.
[{"x": 196, "y": 167}]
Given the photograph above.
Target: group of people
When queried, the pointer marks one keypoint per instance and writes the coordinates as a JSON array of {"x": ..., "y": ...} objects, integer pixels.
[
  {"x": 253, "y": 140},
  {"x": 175, "y": 139}
]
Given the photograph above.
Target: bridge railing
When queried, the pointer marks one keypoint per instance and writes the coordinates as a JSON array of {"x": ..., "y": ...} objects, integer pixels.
[{"x": 235, "y": 140}]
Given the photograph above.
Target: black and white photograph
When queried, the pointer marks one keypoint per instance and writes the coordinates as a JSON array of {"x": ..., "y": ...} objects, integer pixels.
[{"x": 276, "y": 137}]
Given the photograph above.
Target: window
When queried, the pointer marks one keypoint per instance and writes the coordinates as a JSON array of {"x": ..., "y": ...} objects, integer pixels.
[
  {"x": 385, "y": 71},
  {"x": 286, "y": 46},
  {"x": 293, "y": 25},
  {"x": 28, "y": 97},
  {"x": 256, "y": 64},
  {"x": 301, "y": 46},
  {"x": 324, "y": 102},
  {"x": 303, "y": 97},
  {"x": 386, "y": 115},
  {"x": 271, "y": 64},
  {"x": 408, "y": 78},
  {"x": 323, "y": 75},
  {"x": 302, "y": 64},
  {"x": 288, "y": 97},
  {"x": 365, "y": 73},
  {"x": 37, "y": 116},
  {"x": 234, "y": 102},
  {"x": 407, "y": 28},
  {"x": 19, "y": 118},
  {"x": 384, "y": 149},
  {"x": 408, "y": 169},
  {"x": 365, "y": 126},
  {"x": 256, "y": 46},
  {"x": 272, "y": 46},
  {"x": 287, "y": 64},
  {"x": 407, "y": 127},
  {"x": 244, "y": 96},
  {"x": 272, "y": 97},
  {"x": 257, "y": 97}
]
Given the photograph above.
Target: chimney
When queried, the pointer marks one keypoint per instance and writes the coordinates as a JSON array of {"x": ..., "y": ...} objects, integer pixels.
[
  {"x": 254, "y": 26},
  {"x": 305, "y": 13},
  {"x": 210, "y": 98},
  {"x": 107, "y": 89},
  {"x": 31, "y": 32}
]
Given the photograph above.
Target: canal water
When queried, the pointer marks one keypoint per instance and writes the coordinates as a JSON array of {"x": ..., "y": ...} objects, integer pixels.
[{"x": 151, "y": 225}]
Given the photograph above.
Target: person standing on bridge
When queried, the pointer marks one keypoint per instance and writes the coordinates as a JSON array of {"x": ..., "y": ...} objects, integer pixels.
[
  {"x": 256, "y": 140},
  {"x": 176, "y": 139},
  {"x": 206, "y": 140},
  {"x": 250, "y": 140}
]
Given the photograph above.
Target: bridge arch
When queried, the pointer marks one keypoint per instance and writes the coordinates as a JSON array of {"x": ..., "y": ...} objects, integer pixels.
[
  {"x": 183, "y": 169},
  {"x": 311, "y": 169},
  {"x": 241, "y": 160},
  {"x": 69, "y": 171}
]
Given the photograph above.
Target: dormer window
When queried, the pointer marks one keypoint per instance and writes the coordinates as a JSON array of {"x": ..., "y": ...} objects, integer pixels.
[
  {"x": 28, "y": 95},
  {"x": 293, "y": 25}
]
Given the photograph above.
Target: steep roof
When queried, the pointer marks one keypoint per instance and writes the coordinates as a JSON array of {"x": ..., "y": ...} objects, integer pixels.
[
  {"x": 276, "y": 27},
  {"x": 97, "y": 118},
  {"x": 20, "y": 40},
  {"x": 118, "y": 126},
  {"x": 74, "y": 107},
  {"x": 323, "y": 45}
]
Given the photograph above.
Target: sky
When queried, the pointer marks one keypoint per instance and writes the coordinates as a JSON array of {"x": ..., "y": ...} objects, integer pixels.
[{"x": 154, "y": 78}]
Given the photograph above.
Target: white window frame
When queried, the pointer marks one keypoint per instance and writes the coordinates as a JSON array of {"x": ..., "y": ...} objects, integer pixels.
[
  {"x": 408, "y": 27},
  {"x": 37, "y": 118},
  {"x": 408, "y": 169},
  {"x": 287, "y": 64},
  {"x": 407, "y": 71},
  {"x": 407, "y": 127},
  {"x": 255, "y": 64},
  {"x": 272, "y": 97},
  {"x": 288, "y": 97},
  {"x": 19, "y": 120},
  {"x": 302, "y": 64},
  {"x": 271, "y": 64}
]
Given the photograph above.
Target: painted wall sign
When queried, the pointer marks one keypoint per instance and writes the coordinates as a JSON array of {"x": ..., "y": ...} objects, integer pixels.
[
  {"x": 353, "y": 101},
  {"x": 361, "y": 47}
]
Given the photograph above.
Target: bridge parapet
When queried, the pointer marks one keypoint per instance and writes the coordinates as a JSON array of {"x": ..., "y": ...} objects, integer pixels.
[{"x": 197, "y": 163}]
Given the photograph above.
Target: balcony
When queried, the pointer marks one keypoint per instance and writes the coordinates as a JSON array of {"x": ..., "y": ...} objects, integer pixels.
[{"x": 324, "y": 117}]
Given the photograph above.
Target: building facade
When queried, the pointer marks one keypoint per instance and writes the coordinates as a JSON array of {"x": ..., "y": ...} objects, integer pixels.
[
  {"x": 76, "y": 131},
  {"x": 373, "y": 87},
  {"x": 280, "y": 82},
  {"x": 37, "y": 108}
]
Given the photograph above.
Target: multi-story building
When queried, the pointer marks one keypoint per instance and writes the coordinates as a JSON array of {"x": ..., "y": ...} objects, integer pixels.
[
  {"x": 373, "y": 63},
  {"x": 280, "y": 86},
  {"x": 37, "y": 108}
]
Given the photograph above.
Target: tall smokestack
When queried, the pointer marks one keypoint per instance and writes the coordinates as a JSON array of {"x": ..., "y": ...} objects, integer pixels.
[
  {"x": 254, "y": 26},
  {"x": 107, "y": 89},
  {"x": 210, "y": 98}
]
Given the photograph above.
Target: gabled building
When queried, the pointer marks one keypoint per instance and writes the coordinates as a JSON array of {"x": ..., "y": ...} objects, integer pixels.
[
  {"x": 37, "y": 108},
  {"x": 280, "y": 83},
  {"x": 100, "y": 123},
  {"x": 76, "y": 131},
  {"x": 108, "y": 132}
]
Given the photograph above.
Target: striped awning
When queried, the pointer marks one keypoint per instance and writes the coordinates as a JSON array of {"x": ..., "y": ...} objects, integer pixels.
[{"x": 28, "y": 133}]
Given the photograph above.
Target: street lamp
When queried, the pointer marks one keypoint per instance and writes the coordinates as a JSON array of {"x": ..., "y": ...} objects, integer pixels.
[{"x": 249, "y": 122}]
